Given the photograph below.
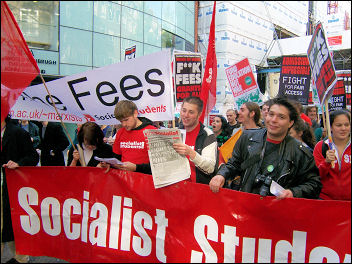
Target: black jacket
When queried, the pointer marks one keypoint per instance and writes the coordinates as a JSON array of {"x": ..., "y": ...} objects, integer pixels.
[
  {"x": 297, "y": 170},
  {"x": 102, "y": 151},
  {"x": 54, "y": 140},
  {"x": 17, "y": 146},
  {"x": 206, "y": 143}
]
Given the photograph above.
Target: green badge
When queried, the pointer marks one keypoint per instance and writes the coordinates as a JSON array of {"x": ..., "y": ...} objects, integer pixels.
[
  {"x": 248, "y": 80},
  {"x": 270, "y": 168}
]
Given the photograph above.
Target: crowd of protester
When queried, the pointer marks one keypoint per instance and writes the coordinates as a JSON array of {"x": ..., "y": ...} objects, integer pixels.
[{"x": 281, "y": 141}]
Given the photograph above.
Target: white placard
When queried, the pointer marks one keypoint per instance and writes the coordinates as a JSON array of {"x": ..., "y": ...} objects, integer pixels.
[{"x": 92, "y": 95}]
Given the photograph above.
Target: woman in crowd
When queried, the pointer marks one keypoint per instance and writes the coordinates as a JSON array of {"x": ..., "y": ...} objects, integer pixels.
[
  {"x": 303, "y": 133},
  {"x": 90, "y": 144},
  {"x": 336, "y": 177},
  {"x": 220, "y": 129}
]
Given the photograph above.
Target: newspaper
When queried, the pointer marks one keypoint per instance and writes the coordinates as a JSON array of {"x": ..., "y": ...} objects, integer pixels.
[
  {"x": 167, "y": 165},
  {"x": 112, "y": 161}
]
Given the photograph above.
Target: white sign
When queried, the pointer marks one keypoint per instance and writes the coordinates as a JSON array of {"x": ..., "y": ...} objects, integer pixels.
[{"x": 92, "y": 95}]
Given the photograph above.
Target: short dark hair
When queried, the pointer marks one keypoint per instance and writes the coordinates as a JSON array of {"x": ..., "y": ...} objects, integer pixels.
[
  {"x": 336, "y": 113},
  {"x": 293, "y": 113},
  {"x": 194, "y": 100},
  {"x": 92, "y": 133}
]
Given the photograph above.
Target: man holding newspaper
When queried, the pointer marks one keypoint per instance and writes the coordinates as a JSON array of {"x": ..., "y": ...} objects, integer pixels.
[{"x": 200, "y": 146}]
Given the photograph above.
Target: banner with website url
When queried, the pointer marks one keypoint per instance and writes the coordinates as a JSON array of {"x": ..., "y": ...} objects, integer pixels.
[
  {"x": 87, "y": 215},
  {"x": 92, "y": 95}
]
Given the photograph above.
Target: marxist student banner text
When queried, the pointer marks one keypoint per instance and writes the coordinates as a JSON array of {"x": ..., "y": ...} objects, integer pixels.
[
  {"x": 87, "y": 215},
  {"x": 92, "y": 95}
]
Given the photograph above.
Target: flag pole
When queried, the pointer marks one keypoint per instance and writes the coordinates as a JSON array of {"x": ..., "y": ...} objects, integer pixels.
[
  {"x": 328, "y": 128},
  {"x": 62, "y": 123}
]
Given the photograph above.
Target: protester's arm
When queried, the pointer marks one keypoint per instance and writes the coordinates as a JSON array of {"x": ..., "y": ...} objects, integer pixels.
[
  {"x": 73, "y": 158},
  {"x": 233, "y": 166},
  {"x": 206, "y": 161},
  {"x": 309, "y": 185},
  {"x": 229, "y": 169},
  {"x": 323, "y": 166}
]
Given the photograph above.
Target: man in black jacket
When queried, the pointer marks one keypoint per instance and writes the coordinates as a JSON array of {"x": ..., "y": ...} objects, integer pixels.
[
  {"x": 16, "y": 150},
  {"x": 269, "y": 154},
  {"x": 53, "y": 143}
]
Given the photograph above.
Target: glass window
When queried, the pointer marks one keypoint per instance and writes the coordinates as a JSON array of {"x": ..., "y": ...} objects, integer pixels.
[
  {"x": 133, "y": 4},
  {"x": 179, "y": 43},
  {"x": 153, "y": 8},
  {"x": 152, "y": 30},
  {"x": 190, "y": 6},
  {"x": 132, "y": 24},
  {"x": 38, "y": 21},
  {"x": 168, "y": 11},
  {"x": 126, "y": 43},
  {"x": 75, "y": 46},
  {"x": 180, "y": 16},
  {"x": 189, "y": 46},
  {"x": 66, "y": 69},
  {"x": 181, "y": 33},
  {"x": 77, "y": 14},
  {"x": 169, "y": 40},
  {"x": 168, "y": 27},
  {"x": 190, "y": 38},
  {"x": 148, "y": 49},
  {"x": 107, "y": 18},
  {"x": 106, "y": 50},
  {"x": 189, "y": 22}
]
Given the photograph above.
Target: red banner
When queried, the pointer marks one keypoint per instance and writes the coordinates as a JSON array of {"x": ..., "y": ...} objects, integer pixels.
[
  {"x": 87, "y": 215},
  {"x": 18, "y": 66}
]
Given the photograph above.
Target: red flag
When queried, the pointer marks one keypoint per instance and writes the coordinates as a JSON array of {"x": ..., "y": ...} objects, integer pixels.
[
  {"x": 18, "y": 66},
  {"x": 208, "y": 92}
]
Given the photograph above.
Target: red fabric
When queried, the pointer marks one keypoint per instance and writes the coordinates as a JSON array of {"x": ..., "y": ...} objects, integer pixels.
[
  {"x": 336, "y": 181},
  {"x": 174, "y": 224},
  {"x": 132, "y": 145},
  {"x": 306, "y": 119},
  {"x": 273, "y": 141},
  {"x": 18, "y": 67},
  {"x": 191, "y": 137},
  {"x": 208, "y": 90}
]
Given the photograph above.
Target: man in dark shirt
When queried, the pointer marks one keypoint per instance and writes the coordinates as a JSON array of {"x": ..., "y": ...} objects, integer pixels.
[
  {"x": 232, "y": 120},
  {"x": 269, "y": 155}
]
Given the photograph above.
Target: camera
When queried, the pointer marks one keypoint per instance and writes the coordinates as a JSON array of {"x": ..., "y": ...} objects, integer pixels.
[{"x": 266, "y": 182}]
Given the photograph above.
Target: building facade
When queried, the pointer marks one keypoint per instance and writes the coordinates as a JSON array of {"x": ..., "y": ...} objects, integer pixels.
[
  {"x": 252, "y": 29},
  {"x": 68, "y": 37}
]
